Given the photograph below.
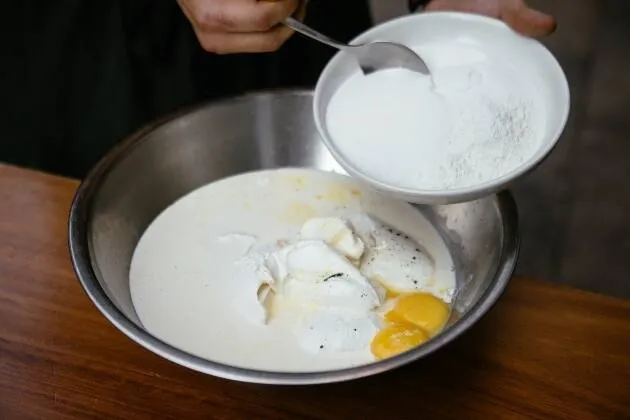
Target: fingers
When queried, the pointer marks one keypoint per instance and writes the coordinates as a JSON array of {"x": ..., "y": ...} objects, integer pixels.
[
  {"x": 530, "y": 22},
  {"x": 483, "y": 7},
  {"x": 300, "y": 12},
  {"x": 251, "y": 42},
  {"x": 240, "y": 26},
  {"x": 515, "y": 13},
  {"x": 238, "y": 15}
]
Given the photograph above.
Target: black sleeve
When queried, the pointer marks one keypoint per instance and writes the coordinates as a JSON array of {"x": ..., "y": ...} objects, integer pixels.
[{"x": 81, "y": 75}]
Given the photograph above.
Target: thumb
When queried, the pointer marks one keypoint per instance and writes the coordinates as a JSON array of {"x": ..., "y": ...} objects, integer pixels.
[{"x": 529, "y": 22}]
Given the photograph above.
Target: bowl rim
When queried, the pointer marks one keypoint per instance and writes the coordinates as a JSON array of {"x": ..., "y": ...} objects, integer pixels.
[
  {"x": 455, "y": 195},
  {"x": 81, "y": 258}
]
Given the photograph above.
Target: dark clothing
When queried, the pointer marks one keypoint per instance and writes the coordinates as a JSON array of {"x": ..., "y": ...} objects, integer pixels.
[{"x": 80, "y": 75}]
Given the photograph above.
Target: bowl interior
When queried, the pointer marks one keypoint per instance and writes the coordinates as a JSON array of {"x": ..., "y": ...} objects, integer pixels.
[
  {"x": 526, "y": 55},
  {"x": 160, "y": 164}
]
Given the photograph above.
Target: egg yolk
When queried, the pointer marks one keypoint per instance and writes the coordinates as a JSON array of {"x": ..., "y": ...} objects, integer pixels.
[
  {"x": 413, "y": 320},
  {"x": 392, "y": 317},
  {"x": 422, "y": 310},
  {"x": 397, "y": 339}
]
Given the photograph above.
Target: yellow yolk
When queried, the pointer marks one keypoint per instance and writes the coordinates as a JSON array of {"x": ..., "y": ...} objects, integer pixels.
[
  {"x": 422, "y": 310},
  {"x": 392, "y": 317},
  {"x": 390, "y": 294},
  {"x": 413, "y": 320},
  {"x": 397, "y": 339}
]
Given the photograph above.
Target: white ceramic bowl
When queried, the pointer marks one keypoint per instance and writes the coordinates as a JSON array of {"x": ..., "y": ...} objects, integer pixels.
[{"x": 527, "y": 54}]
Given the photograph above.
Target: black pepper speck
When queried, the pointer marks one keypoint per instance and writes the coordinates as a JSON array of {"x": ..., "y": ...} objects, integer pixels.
[{"x": 333, "y": 276}]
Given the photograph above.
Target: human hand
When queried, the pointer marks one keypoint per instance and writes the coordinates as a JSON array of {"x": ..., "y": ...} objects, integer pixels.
[
  {"x": 515, "y": 13},
  {"x": 240, "y": 26}
]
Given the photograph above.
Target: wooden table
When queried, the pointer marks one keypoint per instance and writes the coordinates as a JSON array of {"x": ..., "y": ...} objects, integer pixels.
[{"x": 544, "y": 351}]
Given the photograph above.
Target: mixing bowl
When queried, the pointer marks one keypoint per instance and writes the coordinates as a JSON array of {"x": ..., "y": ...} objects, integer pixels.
[
  {"x": 527, "y": 55},
  {"x": 154, "y": 167}
]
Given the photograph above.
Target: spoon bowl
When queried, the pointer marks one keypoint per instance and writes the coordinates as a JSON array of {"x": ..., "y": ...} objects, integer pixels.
[{"x": 372, "y": 56}]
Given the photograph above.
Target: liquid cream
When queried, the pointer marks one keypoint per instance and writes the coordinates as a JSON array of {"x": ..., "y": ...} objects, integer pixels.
[{"x": 189, "y": 289}]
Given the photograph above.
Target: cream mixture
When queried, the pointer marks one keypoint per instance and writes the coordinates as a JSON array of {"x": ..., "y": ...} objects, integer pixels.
[{"x": 290, "y": 270}]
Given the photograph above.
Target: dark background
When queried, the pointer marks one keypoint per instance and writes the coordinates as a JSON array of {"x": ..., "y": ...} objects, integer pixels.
[{"x": 575, "y": 209}]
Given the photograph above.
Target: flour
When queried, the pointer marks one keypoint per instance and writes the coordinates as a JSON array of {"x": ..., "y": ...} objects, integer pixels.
[{"x": 472, "y": 122}]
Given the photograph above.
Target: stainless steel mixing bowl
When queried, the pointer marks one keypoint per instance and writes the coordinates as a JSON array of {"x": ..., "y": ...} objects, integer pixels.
[{"x": 148, "y": 171}]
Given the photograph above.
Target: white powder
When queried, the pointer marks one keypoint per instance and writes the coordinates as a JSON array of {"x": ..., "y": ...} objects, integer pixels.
[{"x": 474, "y": 121}]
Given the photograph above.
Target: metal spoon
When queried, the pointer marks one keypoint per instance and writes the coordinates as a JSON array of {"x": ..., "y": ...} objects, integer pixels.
[{"x": 372, "y": 56}]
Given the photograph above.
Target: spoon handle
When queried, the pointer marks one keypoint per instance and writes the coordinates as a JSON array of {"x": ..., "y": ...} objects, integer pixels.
[{"x": 305, "y": 30}]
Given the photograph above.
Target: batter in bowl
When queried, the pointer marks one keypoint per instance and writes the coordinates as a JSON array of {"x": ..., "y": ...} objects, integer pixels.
[{"x": 291, "y": 270}]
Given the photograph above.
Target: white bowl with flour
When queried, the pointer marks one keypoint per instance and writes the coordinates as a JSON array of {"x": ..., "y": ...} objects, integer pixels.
[{"x": 493, "y": 108}]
